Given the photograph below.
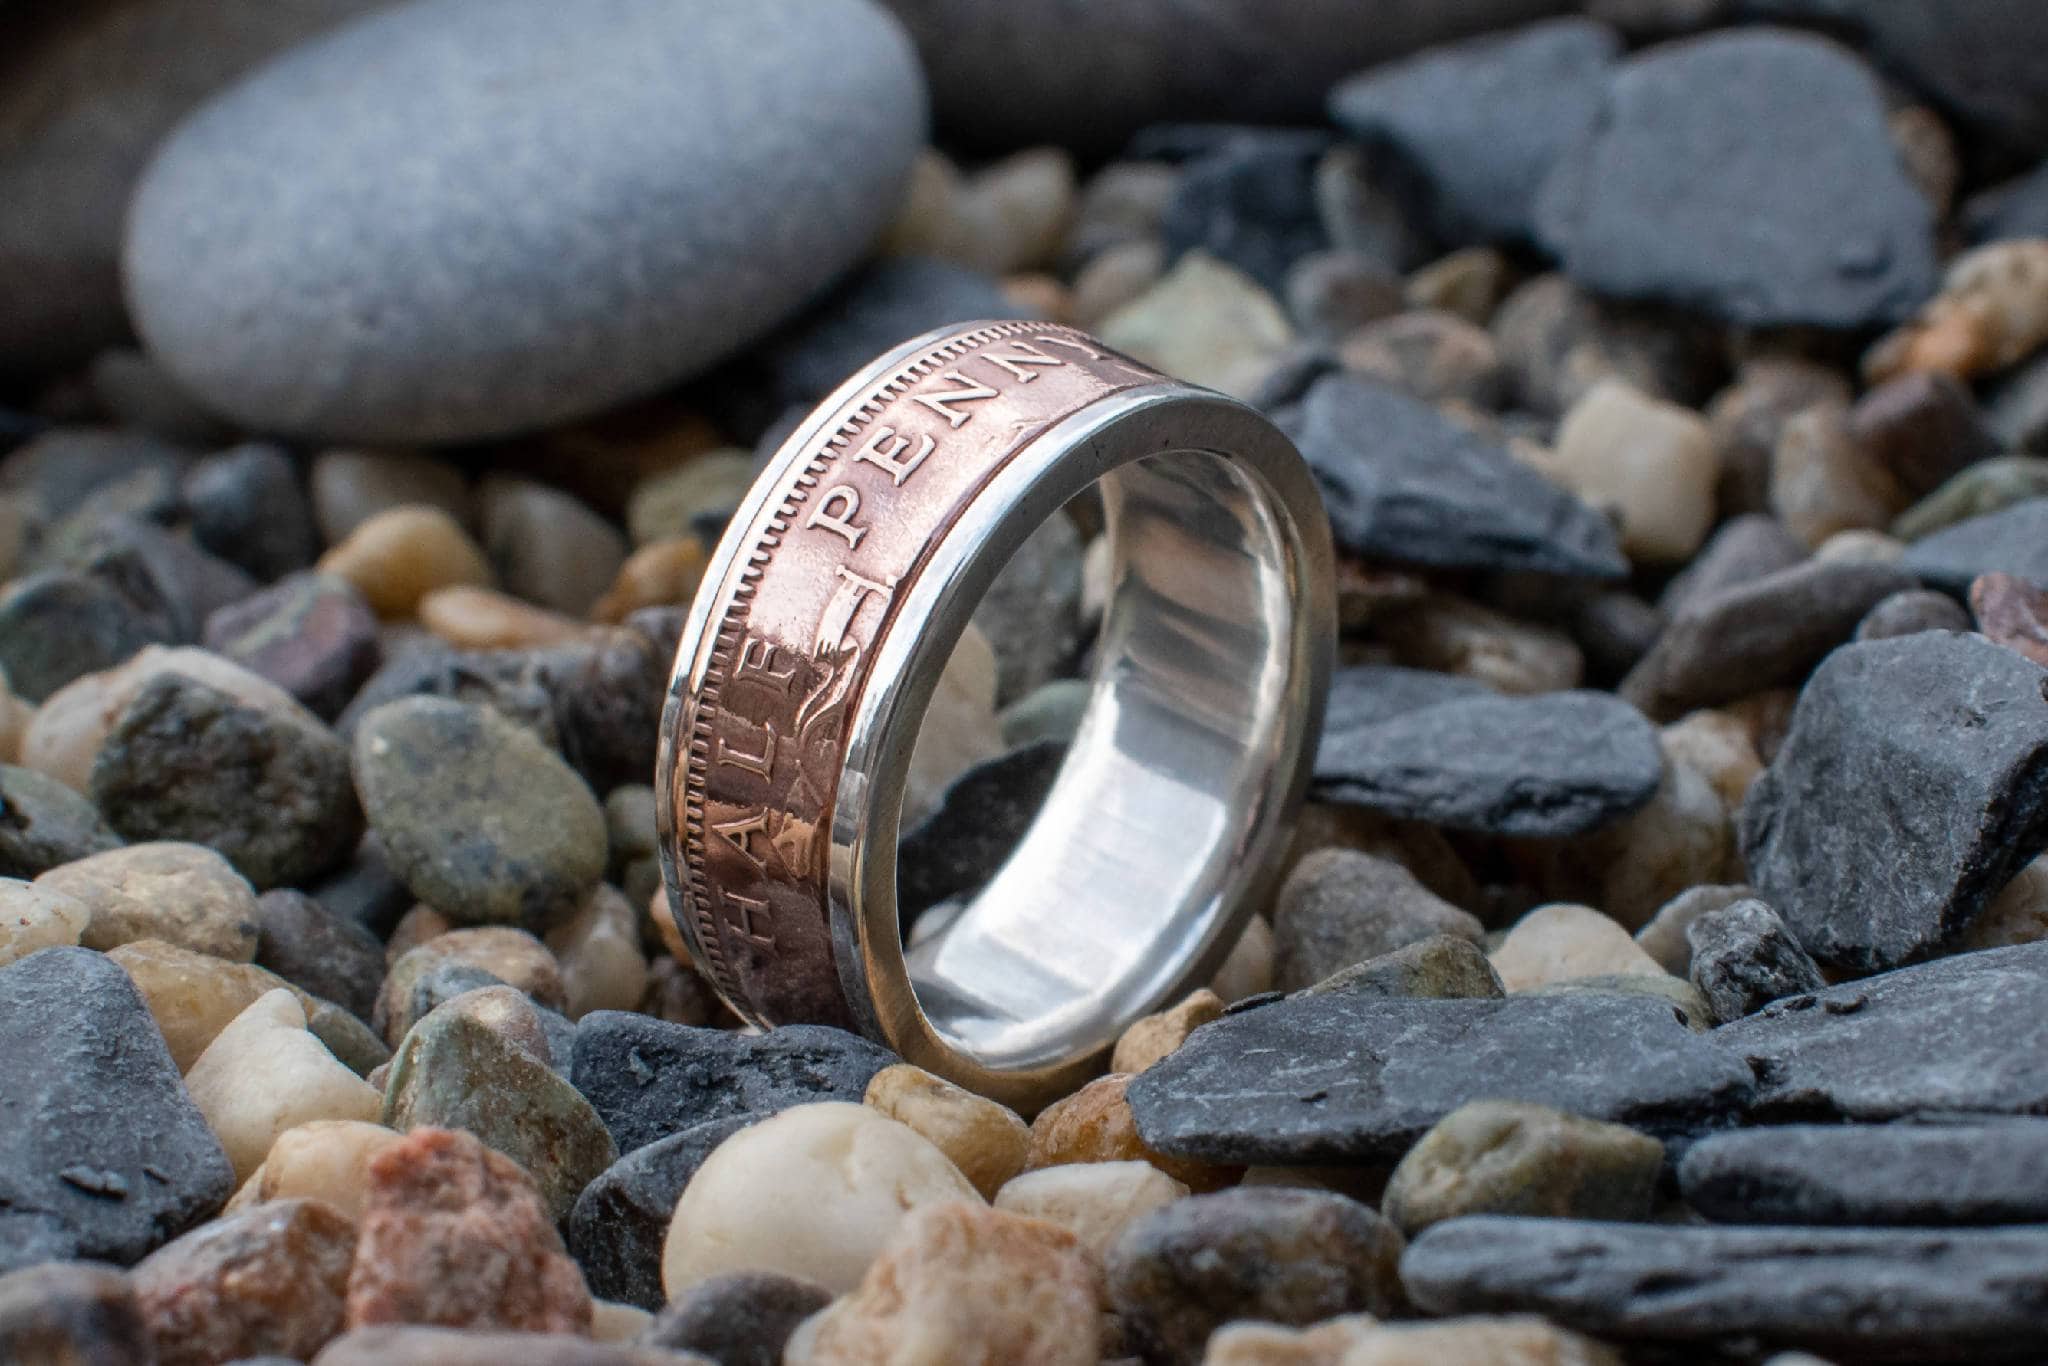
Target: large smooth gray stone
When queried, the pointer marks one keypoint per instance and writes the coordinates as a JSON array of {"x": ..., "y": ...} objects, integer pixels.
[
  {"x": 1858, "y": 1174},
  {"x": 1748, "y": 175},
  {"x": 2013, "y": 540},
  {"x": 1350, "y": 1078},
  {"x": 1912, "y": 785},
  {"x": 1088, "y": 74},
  {"x": 83, "y": 100},
  {"x": 1849, "y": 1294},
  {"x": 1963, "y": 1035},
  {"x": 462, "y": 218}
]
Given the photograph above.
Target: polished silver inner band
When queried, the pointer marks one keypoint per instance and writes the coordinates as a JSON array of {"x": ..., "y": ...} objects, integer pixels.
[{"x": 1131, "y": 884}]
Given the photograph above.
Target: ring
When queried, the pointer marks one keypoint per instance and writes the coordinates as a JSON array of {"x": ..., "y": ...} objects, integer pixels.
[{"x": 831, "y": 605}]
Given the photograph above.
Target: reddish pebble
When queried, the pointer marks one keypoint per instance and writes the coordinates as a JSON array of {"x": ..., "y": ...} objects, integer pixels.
[
  {"x": 2012, "y": 612},
  {"x": 457, "y": 1235},
  {"x": 269, "y": 1281}
]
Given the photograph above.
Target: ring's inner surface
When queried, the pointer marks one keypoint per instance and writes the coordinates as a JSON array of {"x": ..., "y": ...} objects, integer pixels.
[{"x": 1127, "y": 872}]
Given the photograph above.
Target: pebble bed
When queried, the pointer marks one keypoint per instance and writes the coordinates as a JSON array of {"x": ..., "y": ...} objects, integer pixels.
[{"x": 1659, "y": 969}]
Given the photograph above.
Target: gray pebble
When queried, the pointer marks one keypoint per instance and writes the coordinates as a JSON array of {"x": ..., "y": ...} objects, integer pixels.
[
  {"x": 1340, "y": 907},
  {"x": 44, "y": 823},
  {"x": 1743, "y": 958}
]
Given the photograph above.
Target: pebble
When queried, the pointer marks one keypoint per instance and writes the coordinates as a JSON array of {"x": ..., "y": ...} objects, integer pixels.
[
  {"x": 327, "y": 955},
  {"x": 1559, "y": 764},
  {"x": 396, "y": 557},
  {"x": 1922, "y": 428},
  {"x": 1405, "y": 483},
  {"x": 1747, "y": 418},
  {"x": 1848, "y": 1293},
  {"x": 1204, "y": 322},
  {"x": 468, "y": 344},
  {"x": 349, "y": 487},
  {"x": 547, "y": 547},
  {"x": 2010, "y": 611},
  {"x": 44, "y": 824},
  {"x": 1095, "y": 1124},
  {"x": 1249, "y": 202},
  {"x": 1950, "y": 728},
  {"x": 1363, "y": 1081},
  {"x": 313, "y": 635},
  {"x": 1469, "y": 282},
  {"x": 71, "y": 1312},
  {"x": 1251, "y": 1343},
  {"x": 964, "y": 1283},
  {"x": 1563, "y": 943},
  {"x": 180, "y": 893},
  {"x": 1509, "y": 1157},
  {"x": 1743, "y": 958},
  {"x": 1339, "y": 907},
  {"x": 1329, "y": 294},
  {"x": 1483, "y": 121},
  {"x": 324, "y": 1161},
  {"x": 2017, "y": 915},
  {"x": 850, "y": 1176},
  {"x": 1909, "y": 613},
  {"x": 1442, "y": 965},
  {"x": 1992, "y": 311},
  {"x": 1717, "y": 745},
  {"x": 602, "y": 965},
  {"x": 1151, "y": 1037},
  {"x": 1438, "y": 357},
  {"x": 264, "y": 1074},
  {"x": 1558, "y": 341},
  {"x": 1822, "y": 483},
  {"x": 479, "y": 819},
  {"x": 1120, "y": 203},
  {"x": 1440, "y": 632},
  {"x": 247, "y": 507},
  {"x": 1113, "y": 278},
  {"x": 484, "y": 619},
  {"x": 265, "y": 1281},
  {"x": 422, "y": 1346},
  {"x": 1291, "y": 1257},
  {"x": 1749, "y": 175},
  {"x": 660, "y": 574},
  {"x": 690, "y": 499},
  {"x": 1664, "y": 935},
  {"x": 621, "y": 1220},
  {"x": 494, "y": 952},
  {"x": 268, "y": 789},
  {"x": 986, "y": 1141},
  {"x": 193, "y": 996},
  {"x": 2006, "y": 541},
  {"x": 1095, "y": 1201},
  {"x": 1951, "y": 1036},
  {"x": 33, "y": 918},
  {"x": 1648, "y": 464},
  {"x": 61, "y": 625},
  {"x": 1248, "y": 970},
  {"x": 452, "y": 1233},
  {"x": 1941, "y": 1174},
  {"x": 104, "y": 1156},
  {"x": 1983, "y": 488},
  {"x": 741, "y": 1319},
  {"x": 457, "y": 1069}
]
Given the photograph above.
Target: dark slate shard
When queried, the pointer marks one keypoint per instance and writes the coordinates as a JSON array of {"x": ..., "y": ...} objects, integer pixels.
[
  {"x": 44, "y": 823},
  {"x": 1560, "y": 763},
  {"x": 1743, "y": 549},
  {"x": 2013, "y": 540},
  {"x": 1743, "y": 958},
  {"x": 1962, "y": 1035},
  {"x": 2018, "y": 208},
  {"x": 1250, "y": 203},
  {"x": 981, "y": 815},
  {"x": 102, "y": 1155},
  {"x": 1993, "y": 1172},
  {"x": 247, "y": 506},
  {"x": 1484, "y": 120},
  {"x": 621, "y": 1220},
  {"x": 649, "y": 1079},
  {"x": 740, "y": 1318},
  {"x": 1848, "y": 1294},
  {"x": 172, "y": 581},
  {"x": 1367, "y": 694},
  {"x": 1749, "y": 175},
  {"x": 1912, "y": 784},
  {"x": 1344, "y": 1078},
  {"x": 58, "y": 626},
  {"x": 1403, "y": 482},
  {"x": 1766, "y": 632},
  {"x": 312, "y": 634}
]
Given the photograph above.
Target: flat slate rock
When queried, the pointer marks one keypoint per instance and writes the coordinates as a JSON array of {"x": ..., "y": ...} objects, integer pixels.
[
  {"x": 102, "y": 1154},
  {"x": 1861, "y": 1174},
  {"x": 2013, "y": 540},
  {"x": 610, "y": 210},
  {"x": 1963, "y": 1035},
  {"x": 1367, "y": 694},
  {"x": 1403, "y": 482},
  {"x": 1352, "y": 1078},
  {"x": 1912, "y": 784},
  {"x": 1748, "y": 175},
  {"x": 649, "y": 1078},
  {"x": 1483, "y": 121},
  {"x": 1560, "y": 763},
  {"x": 1849, "y": 1294}
]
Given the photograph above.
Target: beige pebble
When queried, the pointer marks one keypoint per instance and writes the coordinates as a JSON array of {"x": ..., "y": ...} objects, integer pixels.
[
  {"x": 1095, "y": 1124},
  {"x": 660, "y": 574},
  {"x": 611, "y": 1321},
  {"x": 413, "y": 929},
  {"x": 1095, "y": 1201},
  {"x": 1153, "y": 1037},
  {"x": 1992, "y": 312},
  {"x": 665, "y": 927},
  {"x": 2017, "y": 915},
  {"x": 350, "y": 487},
  {"x": 1821, "y": 482},
  {"x": 986, "y": 1141},
  {"x": 71, "y": 725},
  {"x": 264, "y": 1074},
  {"x": 325, "y": 1159},
  {"x": 1718, "y": 747},
  {"x": 1681, "y": 838},
  {"x": 667, "y": 504},
  {"x": 1860, "y": 545},
  {"x": 1518, "y": 1340},
  {"x": 1455, "y": 636},
  {"x": 1563, "y": 943},
  {"x": 1012, "y": 214},
  {"x": 512, "y": 956},
  {"x": 183, "y": 894},
  {"x": 1114, "y": 277},
  {"x": 924, "y": 217},
  {"x": 1038, "y": 295},
  {"x": 1469, "y": 282},
  {"x": 472, "y": 618},
  {"x": 15, "y": 718},
  {"x": 193, "y": 996},
  {"x": 33, "y": 917},
  {"x": 1650, "y": 463},
  {"x": 1509, "y": 1157},
  {"x": 1249, "y": 968},
  {"x": 1251, "y": 1343},
  {"x": 812, "y": 1192},
  {"x": 1204, "y": 322},
  {"x": 1664, "y": 937},
  {"x": 398, "y": 556},
  {"x": 598, "y": 950},
  {"x": 960, "y": 728},
  {"x": 964, "y": 1285}
]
